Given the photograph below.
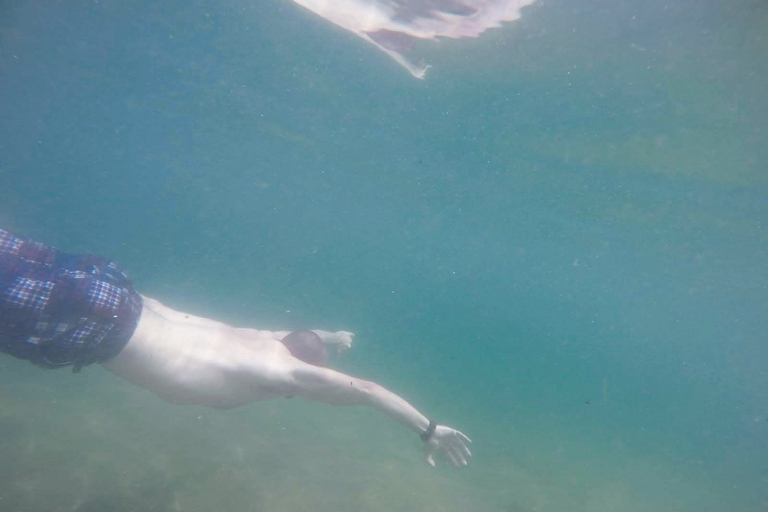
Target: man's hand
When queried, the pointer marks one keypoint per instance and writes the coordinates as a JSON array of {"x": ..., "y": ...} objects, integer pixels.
[
  {"x": 341, "y": 340},
  {"x": 451, "y": 442}
]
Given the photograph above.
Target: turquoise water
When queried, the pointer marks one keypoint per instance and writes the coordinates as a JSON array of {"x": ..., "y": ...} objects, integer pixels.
[{"x": 555, "y": 243}]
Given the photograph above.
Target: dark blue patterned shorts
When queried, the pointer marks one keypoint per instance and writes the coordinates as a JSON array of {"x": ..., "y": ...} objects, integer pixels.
[{"x": 59, "y": 309}]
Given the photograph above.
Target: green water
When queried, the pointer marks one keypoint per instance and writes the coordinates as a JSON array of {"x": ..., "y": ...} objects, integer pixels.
[{"x": 555, "y": 243}]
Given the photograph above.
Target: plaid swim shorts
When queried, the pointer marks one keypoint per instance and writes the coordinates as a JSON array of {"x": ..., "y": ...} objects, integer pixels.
[{"x": 59, "y": 309}]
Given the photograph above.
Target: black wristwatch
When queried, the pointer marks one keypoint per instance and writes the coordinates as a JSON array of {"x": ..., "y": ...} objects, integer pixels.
[{"x": 428, "y": 433}]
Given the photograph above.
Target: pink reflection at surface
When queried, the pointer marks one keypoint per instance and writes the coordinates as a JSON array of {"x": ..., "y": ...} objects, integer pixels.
[{"x": 393, "y": 25}]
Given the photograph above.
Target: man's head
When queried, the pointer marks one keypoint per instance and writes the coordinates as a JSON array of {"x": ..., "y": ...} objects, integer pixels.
[{"x": 308, "y": 347}]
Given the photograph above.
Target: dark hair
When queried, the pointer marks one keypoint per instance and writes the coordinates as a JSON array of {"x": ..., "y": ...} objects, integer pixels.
[{"x": 308, "y": 347}]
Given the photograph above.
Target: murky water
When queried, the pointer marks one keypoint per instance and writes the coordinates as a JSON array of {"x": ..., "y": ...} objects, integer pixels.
[{"x": 554, "y": 242}]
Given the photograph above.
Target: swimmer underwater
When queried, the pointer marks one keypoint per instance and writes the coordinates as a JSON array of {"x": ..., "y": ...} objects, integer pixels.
[{"x": 59, "y": 309}]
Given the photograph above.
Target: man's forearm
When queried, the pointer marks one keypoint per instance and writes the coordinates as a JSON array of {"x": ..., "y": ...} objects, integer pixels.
[
  {"x": 329, "y": 386},
  {"x": 336, "y": 388},
  {"x": 397, "y": 408}
]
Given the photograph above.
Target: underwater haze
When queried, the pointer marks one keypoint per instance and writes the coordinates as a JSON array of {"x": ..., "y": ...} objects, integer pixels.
[{"x": 555, "y": 242}]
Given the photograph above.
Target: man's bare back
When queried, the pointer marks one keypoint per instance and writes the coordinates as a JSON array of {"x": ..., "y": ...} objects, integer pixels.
[{"x": 186, "y": 359}]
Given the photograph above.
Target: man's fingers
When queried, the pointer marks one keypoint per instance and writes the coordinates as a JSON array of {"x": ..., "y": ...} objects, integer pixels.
[
  {"x": 459, "y": 456},
  {"x": 460, "y": 442},
  {"x": 451, "y": 443},
  {"x": 455, "y": 458},
  {"x": 464, "y": 438}
]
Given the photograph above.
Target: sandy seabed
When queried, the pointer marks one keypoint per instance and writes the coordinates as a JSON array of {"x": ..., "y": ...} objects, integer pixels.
[{"x": 91, "y": 443}]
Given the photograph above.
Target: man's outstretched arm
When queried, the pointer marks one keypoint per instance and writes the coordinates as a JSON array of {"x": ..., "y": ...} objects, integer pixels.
[{"x": 335, "y": 388}]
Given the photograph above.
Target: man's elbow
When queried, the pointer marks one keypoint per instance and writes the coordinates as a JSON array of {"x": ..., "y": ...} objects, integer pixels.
[
  {"x": 366, "y": 390},
  {"x": 357, "y": 392}
]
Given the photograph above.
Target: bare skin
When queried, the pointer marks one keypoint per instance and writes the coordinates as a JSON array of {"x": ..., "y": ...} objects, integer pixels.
[{"x": 186, "y": 359}]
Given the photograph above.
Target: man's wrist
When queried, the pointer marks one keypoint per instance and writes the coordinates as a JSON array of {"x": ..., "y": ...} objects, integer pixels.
[{"x": 427, "y": 434}]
